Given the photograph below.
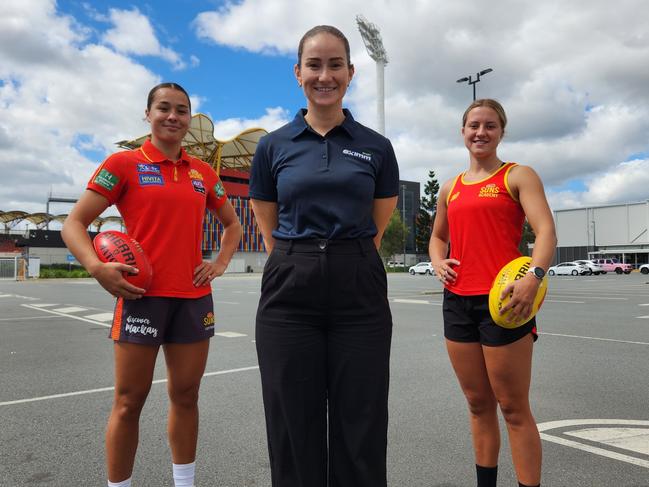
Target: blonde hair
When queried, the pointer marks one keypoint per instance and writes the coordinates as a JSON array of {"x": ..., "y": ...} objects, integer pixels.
[{"x": 490, "y": 103}]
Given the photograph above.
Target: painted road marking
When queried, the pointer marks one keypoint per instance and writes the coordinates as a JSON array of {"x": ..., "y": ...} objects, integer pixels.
[
  {"x": 559, "y": 301},
  {"x": 623, "y": 438},
  {"x": 100, "y": 317},
  {"x": 43, "y": 305},
  {"x": 106, "y": 389},
  {"x": 70, "y": 309},
  {"x": 592, "y": 338},
  {"x": 5, "y": 295},
  {"x": 643, "y": 317},
  {"x": 230, "y": 334},
  {"x": 27, "y": 318},
  {"x": 54, "y": 312},
  {"x": 644, "y": 304},
  {"x": 633, "y": 439},
  {"x": 410, "y": 301}
]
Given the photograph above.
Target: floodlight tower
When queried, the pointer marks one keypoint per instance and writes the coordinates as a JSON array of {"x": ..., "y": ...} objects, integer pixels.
[
  {"x": 374, "y": 45},
  {"x": 473, "y": 82}
]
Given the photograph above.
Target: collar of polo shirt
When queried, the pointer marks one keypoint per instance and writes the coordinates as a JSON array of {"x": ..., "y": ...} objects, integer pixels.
[
  {"x": 299, "y": 125},
  {"x": 152, "y": 154}
]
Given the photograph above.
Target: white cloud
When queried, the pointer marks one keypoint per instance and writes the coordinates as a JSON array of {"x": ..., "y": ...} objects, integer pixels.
[
  {"x": 133, "y": 34},
  {"x": 553, "y": 62},
  {"x": 271, "y": 120}
]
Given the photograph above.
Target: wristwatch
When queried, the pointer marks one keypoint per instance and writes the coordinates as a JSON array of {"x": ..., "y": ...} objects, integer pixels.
[{"x": 537, "y": 272}]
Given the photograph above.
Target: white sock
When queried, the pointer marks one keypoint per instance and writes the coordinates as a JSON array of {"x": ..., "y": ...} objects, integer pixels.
[
  {"x": 184, "y": 474},
  {"x": 123, "y": 483}
]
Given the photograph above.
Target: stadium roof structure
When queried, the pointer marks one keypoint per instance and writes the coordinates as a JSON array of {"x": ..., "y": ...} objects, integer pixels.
[
  {"x": 235, "y": 153},
  {"x": 12, "y": 218}
]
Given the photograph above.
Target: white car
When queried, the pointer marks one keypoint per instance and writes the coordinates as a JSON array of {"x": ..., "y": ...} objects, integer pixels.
[
  {"x": 644, "y": 268},
  {"x": 594, "y": 268},
  {"x": 568, "y": 269},
  {"x": 421, "y": 268}
]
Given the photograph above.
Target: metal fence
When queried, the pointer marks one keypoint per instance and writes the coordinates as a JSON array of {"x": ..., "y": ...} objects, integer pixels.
[{"x": 9, "y": 268}]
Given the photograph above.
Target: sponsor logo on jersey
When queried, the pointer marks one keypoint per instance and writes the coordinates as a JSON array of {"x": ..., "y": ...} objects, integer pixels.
[
  {"x": 489, "y": 191},
  {"x": 151, "y": 180},
  {"x": 198, "y": 186},
  {"x": 208, "y": 321},
  {"x": 219, "y": 189},
  {"x": 194, "y": 174},
  {"x": 152, "y": 168},
  {"x": 364, "y": 156},
  {"x": 454, "y": 196},
  {"x": 139, "y": 326},
  {"x": 106, "y": 179}
]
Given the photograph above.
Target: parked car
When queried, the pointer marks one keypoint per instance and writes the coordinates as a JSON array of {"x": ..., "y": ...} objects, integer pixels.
[
  {"x": 394, "y": 263},
  {"x": 568, "y": 269},
  {"x": 594, "y": 268},
  {"x": 421, "y": 268},
  {"x": 614, "y": 265},
  {"x": 644, "y": 268}
]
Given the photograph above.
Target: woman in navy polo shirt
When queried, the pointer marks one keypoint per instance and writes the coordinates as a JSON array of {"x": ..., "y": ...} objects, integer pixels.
[{"x": 323, "y": 188}]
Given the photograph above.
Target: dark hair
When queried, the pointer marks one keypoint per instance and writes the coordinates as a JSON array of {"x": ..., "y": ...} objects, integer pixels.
[
  {"x": 490, "y": 103},
  {"x": 327, "y": 29},
  {"x": 173, "y": 86}
]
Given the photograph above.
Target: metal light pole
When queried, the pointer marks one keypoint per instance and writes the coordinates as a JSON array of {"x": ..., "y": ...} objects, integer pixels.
[
  {"x": 403, "y": 221},
  {"x": 472, "y": 81},
  {"x": 374, "y": 45}
]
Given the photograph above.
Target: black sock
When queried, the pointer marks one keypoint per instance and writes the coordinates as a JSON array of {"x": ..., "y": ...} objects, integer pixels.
[
  {"x": 523, "y": 485},
  {"x": 487, "y": 476}
]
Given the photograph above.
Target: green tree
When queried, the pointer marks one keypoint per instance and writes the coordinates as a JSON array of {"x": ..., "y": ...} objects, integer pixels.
[
  {"x": 528, "y": 237},
  {"x": 426, "y": 214},
  {"x": 394, "y": 236}
]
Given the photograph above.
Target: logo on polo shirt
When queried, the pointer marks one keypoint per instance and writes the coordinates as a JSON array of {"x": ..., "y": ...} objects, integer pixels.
[
  {"x": 106, "y": 179},
  {"x": 198, "y": 186},
  {"x": 152, "y": 168},
  {"x": 454, "y": 196},
  {"x": 151, "y": 180},
  {"x": 194, "y": 174},
  {"x": 219, "y": 189},
  {"x": 364, "y": 156}
]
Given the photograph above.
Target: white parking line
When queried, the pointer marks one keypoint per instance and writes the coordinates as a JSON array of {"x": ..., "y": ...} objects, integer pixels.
[
  {"x": 27, "y": 318},
  {"x": 230, "y": 334},
  {"x": 100, "y": 317},
  {"x": 561, "y": 301},
  {"x": 594, "y": 338},
  {"x": 70, "y": 309},
  {"x": 643, "y": 304},
  {"x": 106, "y": 389},
  {"x": 43, "y": 305},
  {"x": 643, "y": 317},
  {"x": 634, "y": 439},
  {"x": 410, "y": 301},
  {"x": 54, "y": 312}
]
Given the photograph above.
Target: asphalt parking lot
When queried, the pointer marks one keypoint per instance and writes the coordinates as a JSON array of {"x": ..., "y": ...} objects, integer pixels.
[{"x": 590, "y": 390}]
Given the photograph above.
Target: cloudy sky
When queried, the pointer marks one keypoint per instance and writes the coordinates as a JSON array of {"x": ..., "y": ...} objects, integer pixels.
[{"x": 572, "y": 75}]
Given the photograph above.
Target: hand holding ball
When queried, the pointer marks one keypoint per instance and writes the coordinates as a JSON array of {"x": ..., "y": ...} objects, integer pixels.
[
  {"x": 113, "y": 246},
  {"x": 513, "y": 271}
]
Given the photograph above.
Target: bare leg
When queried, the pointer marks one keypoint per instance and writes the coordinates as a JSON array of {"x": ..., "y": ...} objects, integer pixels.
[
  {"x": 185, "y": 367},
  {"x": 134, "y": 366},
  {"x": 510, "y": 368},
  {"x": 469, "y": 365}
]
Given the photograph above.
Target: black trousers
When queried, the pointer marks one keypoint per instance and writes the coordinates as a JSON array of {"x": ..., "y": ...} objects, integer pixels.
[{"x": 323, "y": 330}]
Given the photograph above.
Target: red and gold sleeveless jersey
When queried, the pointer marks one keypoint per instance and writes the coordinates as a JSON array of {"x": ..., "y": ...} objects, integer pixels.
[{"x": 485, "y": 226}]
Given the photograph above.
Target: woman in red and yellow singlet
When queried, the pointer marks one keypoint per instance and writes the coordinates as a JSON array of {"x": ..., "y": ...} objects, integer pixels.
[{"x": 481, "y": 213}]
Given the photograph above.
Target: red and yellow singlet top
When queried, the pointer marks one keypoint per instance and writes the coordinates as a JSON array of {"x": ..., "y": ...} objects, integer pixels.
[
  {"x": 485, "y": 227},
  {"x": 163, "y": 204}
]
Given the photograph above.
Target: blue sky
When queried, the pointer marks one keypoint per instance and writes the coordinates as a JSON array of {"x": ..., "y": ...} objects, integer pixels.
[{"x": 74, "y": 77}]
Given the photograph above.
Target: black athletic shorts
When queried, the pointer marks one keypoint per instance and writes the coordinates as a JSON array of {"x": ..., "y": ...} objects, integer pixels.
[{"x": 467, "y": 319}]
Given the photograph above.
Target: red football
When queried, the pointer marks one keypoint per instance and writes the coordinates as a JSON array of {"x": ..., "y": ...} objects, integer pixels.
[{"x": 112, "y": 246}]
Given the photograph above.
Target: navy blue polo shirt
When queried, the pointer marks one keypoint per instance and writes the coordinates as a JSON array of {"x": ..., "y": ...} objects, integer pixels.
[{"x": 324, "y": 187}]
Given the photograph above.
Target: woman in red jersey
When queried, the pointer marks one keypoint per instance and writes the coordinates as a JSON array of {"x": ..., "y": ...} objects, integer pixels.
[
  {"x": 162, "y": 193},
  {"x": 481, "y": 214}
]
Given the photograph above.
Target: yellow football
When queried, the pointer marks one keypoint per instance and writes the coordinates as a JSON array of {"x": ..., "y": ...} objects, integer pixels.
[{"x": 512, "y": 271}]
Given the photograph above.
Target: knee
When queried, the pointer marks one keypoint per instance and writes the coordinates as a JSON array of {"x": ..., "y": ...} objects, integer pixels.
[
  {"x": 481, "y": 405},
  {"x": 128, "y": 405},
  {"x": 184, "y": 397},
  {"x": 515, "y": 413}
]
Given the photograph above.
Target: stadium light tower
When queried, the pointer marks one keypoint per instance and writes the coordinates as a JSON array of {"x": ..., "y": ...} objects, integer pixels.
[
  {"x": 476, "y": 80},
  {"x": 374, "y": 45}
]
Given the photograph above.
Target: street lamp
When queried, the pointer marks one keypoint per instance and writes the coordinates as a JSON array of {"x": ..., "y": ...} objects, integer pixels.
[
  {"x": 403, "y": 221},
  {"x": 374, "y": 45},
  {"x": 472, "y": 81}
]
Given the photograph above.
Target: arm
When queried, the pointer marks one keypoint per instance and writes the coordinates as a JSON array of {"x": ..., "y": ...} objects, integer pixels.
[
  {"x": 76, "y": 238},
  {"x": 531, "y": 195},
  {"x": 439, "y": 239},
  {"x": 206, "y": 271},
  {"x": 381, "y": 212},
  {"x": 266, "y": 218}
]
